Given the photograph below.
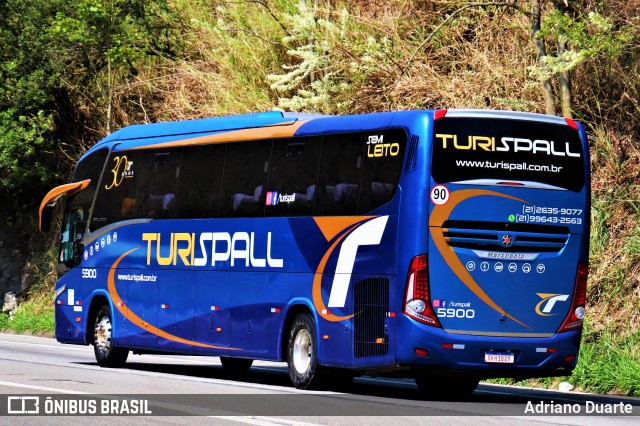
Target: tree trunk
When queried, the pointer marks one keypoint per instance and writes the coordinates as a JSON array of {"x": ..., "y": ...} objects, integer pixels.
[
  {"x": 547, "y": 88},
  {"x": 565, "y": 82}
]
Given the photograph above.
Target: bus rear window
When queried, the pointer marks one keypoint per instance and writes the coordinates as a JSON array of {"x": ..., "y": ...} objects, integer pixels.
[{"x": 469, "y": 148}]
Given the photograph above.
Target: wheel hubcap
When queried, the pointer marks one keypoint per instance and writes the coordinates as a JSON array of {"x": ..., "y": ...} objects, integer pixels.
[
  {"x": 103, "y": 335},
  {"x": 302, "y": 351}
]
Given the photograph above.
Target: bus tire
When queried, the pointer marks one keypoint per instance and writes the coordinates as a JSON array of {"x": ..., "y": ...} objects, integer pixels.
[
  {"x": 302, "y": 354},
  {"x": 106, "y": 353},
  {"x": 236, "y": 366},
  {"x": 446, "y": 388}
]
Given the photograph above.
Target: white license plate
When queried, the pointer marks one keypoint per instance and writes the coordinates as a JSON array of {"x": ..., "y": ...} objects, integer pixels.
[{"x": 499, "y": 357}]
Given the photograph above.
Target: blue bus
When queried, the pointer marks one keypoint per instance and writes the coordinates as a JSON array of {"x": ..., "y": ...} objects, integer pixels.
[{"x": 449, "y": 246}]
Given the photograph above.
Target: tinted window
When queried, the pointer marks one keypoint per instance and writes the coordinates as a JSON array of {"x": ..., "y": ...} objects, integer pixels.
[
  {"x": 118, "y": 197},
  {"x": 340, "y": 173},
  {"x": 200, "y": 186},
  {"x": 157, "y": 183},
  {"x": 245, "y": 179},
  {"x": 78, "y": 205},
  {"x": 89, "y": 168},
  {"x": 292, "y": 181},
  {"x": 518, "y": 150},
  {"x": 382, "y": 166}
]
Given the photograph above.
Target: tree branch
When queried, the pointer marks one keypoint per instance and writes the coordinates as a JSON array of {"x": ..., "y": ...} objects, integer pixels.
[
  {"x": 449, "y": 19},
  {"x": 547, "y": 88},
  {"x": 264, "y": 4}
]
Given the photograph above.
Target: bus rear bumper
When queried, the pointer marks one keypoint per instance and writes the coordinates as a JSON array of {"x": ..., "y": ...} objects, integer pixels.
[{"x": 437, "y": 352}]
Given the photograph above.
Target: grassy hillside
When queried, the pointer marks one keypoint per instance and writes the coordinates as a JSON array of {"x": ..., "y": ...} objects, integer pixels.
[{"x": 353, "y": 56}]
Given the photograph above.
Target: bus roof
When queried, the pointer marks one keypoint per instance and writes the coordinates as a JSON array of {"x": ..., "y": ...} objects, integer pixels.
[{"x": 282, "y": 124}]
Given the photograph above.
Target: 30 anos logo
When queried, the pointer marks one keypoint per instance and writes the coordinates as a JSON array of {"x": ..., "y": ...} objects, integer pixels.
[{"x": 546, "y": 305}]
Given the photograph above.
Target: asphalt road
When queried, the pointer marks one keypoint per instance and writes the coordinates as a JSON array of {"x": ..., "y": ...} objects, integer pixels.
[{"x": 195, "y": 390}]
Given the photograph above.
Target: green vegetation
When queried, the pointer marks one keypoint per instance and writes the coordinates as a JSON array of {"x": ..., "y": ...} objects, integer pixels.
[
  {"x": 33, "y": 316},
  {"x": 609, "y": 362},
  {"x": 71, "y": 71}
]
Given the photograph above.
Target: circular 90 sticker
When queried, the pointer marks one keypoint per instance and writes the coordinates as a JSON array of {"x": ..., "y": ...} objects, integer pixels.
[{"x": 439, "y": 195}]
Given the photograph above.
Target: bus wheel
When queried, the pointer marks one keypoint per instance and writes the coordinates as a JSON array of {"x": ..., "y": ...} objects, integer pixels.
[
  {"x": 448, "y": 387},
  {"x": 236, "y": 366},
  {"x": 302, "y": 357},
  {"x": 106, "y": 353}
]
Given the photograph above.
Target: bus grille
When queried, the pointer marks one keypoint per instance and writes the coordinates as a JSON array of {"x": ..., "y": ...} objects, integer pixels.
[
  {"x": 488, "y": 236},
  {"x": 371, "y": 305}
]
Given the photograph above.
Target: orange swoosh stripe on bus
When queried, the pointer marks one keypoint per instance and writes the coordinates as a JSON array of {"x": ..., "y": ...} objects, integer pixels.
[
  {"x": 332, "y": 226},
  {"x": 135, "y": 319},
  {"x": 317, "y": 281},
  {"x": 279, "y": 130},
  {"x": 439, "y": 215}
]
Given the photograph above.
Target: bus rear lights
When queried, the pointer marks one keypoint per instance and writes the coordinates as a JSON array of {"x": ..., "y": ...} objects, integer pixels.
[
  {"x": 417, "y": 306},
  {"x": 570, "y": 358},
  {"x": 417, "y": 303},
  {"x": 452, "y": 346},
  {"x": 439, "y": 114},
  {"x": 574, "y": 318},
  {"x": 571, "y": 123},
  {"x": 421, "y": 352}
]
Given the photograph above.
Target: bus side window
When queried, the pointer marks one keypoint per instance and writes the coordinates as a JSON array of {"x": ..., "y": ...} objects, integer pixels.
[
  {"x": 339, "y": 174},
  {"x": 71, "y": 236},
  {"x": 200, "y": 187},
  {"x": 117, "y": 194},
  {"x": 292, "y": 181},
  {"x": 382, "y": 168},
  {"x": 246, "y": 168},
  {"x": 158, "y": 183}
]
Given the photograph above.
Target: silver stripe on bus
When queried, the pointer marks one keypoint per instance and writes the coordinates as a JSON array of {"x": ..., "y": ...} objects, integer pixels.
[
  {"x": 60, "y": 291},
  {"x": 509, "y": 183},
  {"x": 516, "y": 115},
  {"x": 88, "y": 239},
  {"x": 498, "y": 255}
]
